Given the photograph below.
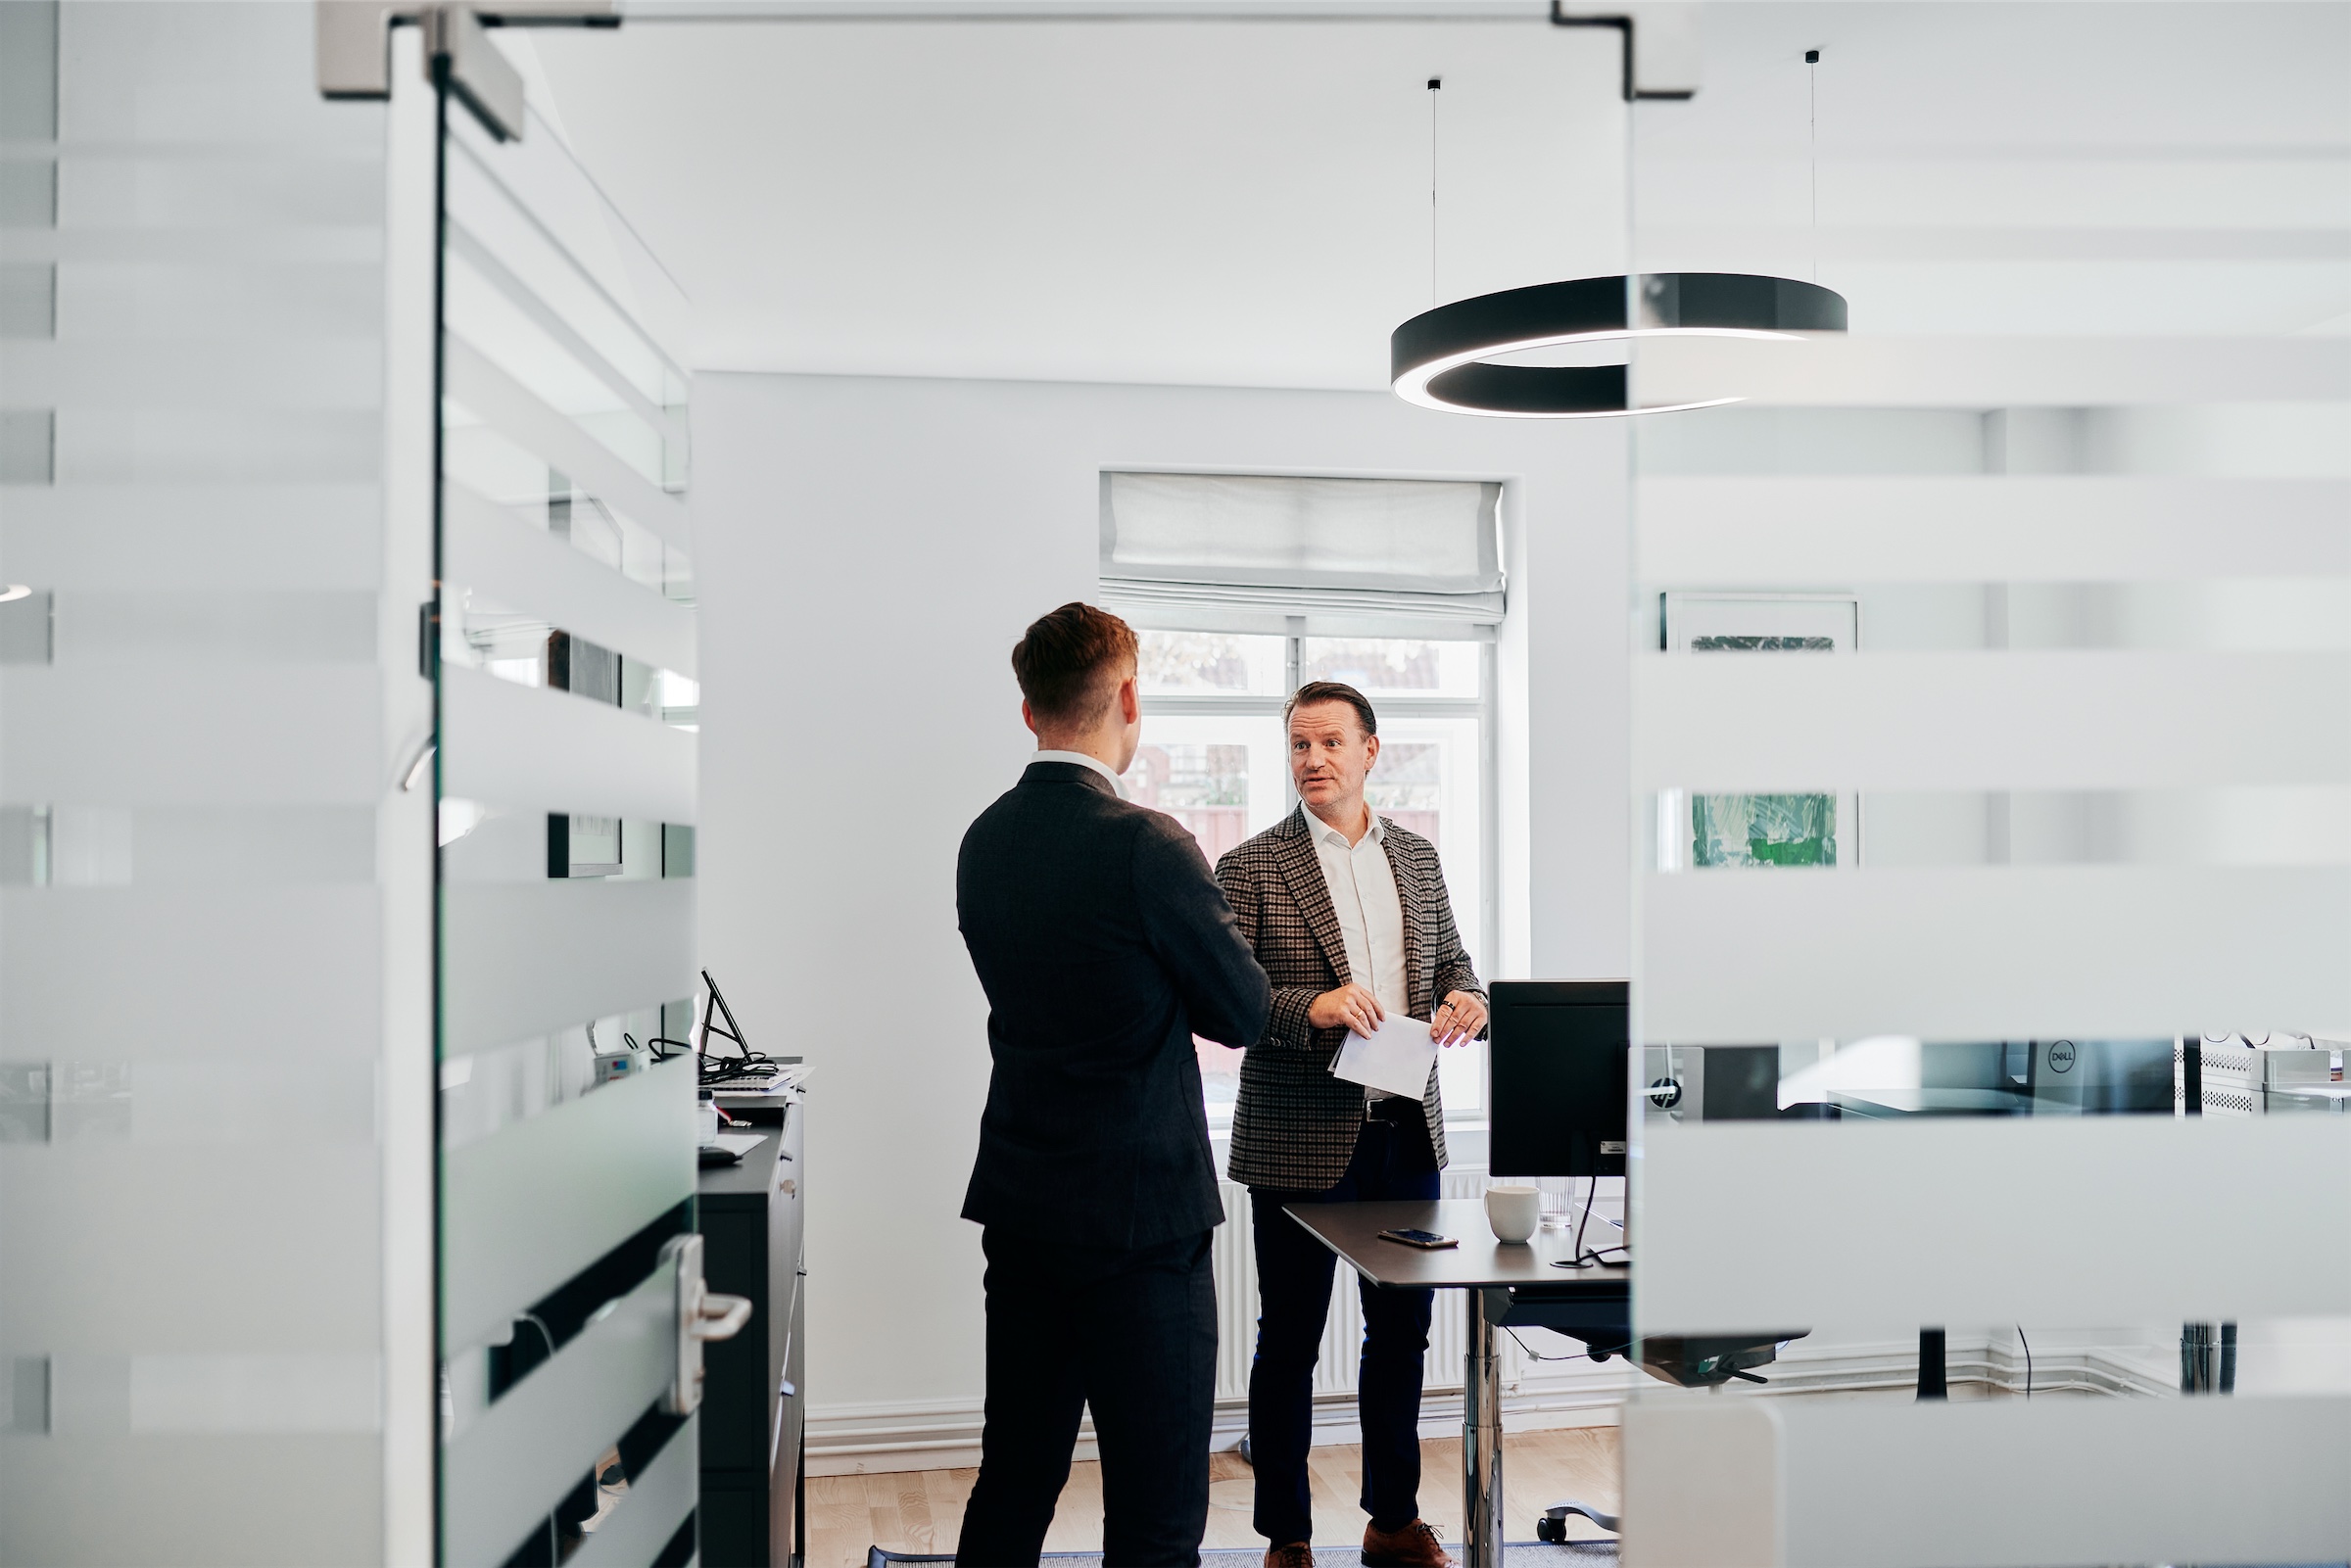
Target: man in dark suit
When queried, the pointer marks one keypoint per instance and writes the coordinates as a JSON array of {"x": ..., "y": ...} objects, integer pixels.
[
  {"x": 1104, "y": 946},
  {"x": 1349, "y": 915}
]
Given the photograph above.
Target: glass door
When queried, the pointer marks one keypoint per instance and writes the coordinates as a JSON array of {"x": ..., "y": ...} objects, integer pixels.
[
  {"x": 566, "y": 789},
  {"x": 1993, "y": 752}
]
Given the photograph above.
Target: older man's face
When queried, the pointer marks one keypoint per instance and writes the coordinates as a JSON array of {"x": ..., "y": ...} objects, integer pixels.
[{"x": 1329, "y": 758}]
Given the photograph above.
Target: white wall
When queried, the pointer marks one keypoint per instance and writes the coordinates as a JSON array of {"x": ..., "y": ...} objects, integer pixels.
[{"x": 870, "y": 550}]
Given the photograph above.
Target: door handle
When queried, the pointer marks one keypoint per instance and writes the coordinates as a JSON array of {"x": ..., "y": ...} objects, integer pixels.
[
  {"x": 702, "y": 1314},
  {"x": 722, "y": 1316}
]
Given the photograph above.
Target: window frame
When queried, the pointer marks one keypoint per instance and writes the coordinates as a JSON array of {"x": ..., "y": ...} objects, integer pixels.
[{"x": 1484, "y": 708}]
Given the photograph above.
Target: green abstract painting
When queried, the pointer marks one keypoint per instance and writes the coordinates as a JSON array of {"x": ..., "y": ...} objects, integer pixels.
[{"x": 1763, "y": 829}]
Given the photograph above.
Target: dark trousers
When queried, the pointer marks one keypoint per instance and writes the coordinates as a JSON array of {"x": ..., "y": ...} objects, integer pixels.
[
  {"x": 1131, "y": 1333},
  {"x": 1392, "y": 1161}
]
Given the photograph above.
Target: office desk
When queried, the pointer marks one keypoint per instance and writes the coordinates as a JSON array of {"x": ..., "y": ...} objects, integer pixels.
[
  {"x": 1491, "y": 1268},
  {"x": 749, "y": 1216}
]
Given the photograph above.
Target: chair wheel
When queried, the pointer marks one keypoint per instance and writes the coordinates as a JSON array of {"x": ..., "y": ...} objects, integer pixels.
[{"x": 1550, "y": 1529}]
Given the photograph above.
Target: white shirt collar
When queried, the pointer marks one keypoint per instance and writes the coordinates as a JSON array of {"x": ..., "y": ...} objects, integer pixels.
[
  {"x": 1321, "y": 831},
  {"x": 1083, "y": 761}
]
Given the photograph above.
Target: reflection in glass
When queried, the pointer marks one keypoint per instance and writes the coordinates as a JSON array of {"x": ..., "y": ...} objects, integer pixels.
[
  {"x": 2269, "y": 1073},
  {"x": 1892, "y": 1076},
  {"x": 526, "y": 651},
  {"x": 485, "y": 460},
  {"x": 486, "y": 1090},
  {"x": 532, "y": 264},
  {"x": 485, "y": 305},
  {"x": 1762, "y": 645},
  {"x": 1762, "y": 830}
]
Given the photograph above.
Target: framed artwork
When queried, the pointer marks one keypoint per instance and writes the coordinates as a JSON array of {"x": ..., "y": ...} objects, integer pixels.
[{"x": 1705, "y": 831}]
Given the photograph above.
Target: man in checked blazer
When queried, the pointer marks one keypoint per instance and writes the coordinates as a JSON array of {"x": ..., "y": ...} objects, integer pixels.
[{"x": 1349, "y": 915}]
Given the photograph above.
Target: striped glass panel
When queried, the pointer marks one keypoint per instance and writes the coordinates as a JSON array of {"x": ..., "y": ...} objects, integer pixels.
[
  {"x": 505, "y": 1468},
  {"x": 650, "y": 1512},
  {"x": 565, "y": 779},
  {"x": 1990, "y": 750},
  {"x": 212, "y": 885}
]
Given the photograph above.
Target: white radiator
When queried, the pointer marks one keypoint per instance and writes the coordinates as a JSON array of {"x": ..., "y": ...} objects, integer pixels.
[{"x": 1343, "y": 1331}]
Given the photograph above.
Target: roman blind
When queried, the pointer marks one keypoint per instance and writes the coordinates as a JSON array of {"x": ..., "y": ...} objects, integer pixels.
[{"x": 1349, "y": 549}]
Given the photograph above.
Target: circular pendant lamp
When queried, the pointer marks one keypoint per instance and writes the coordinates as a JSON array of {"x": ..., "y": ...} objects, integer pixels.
[{"x": 1438, "y": 358}]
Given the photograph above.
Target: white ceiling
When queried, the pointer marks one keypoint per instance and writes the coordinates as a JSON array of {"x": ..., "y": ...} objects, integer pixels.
[
  {"x": 1195, "y": 202},
  {"x": 1247, "y": 202}
]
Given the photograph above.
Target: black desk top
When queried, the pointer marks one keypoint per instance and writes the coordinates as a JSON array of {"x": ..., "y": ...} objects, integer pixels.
[
  {"x": 1351, "y": 1230},
  {"x": 749, "y": 1180}
]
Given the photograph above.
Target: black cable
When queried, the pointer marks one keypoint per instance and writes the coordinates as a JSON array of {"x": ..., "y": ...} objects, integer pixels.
[
  {"x": 2028, "y": 1345},
  {"x": 747, "y": 1063},
  {"x": 1597, "y": 1257},
  {"x": 1812, "y": 124},
  {"x": 1580, "y": 1355},
  {"x": 725, "y": 1070},
  {"x": 1434, "y": 82}
]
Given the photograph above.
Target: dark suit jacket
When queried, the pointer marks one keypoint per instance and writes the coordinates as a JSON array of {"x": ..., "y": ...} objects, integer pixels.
[
  {"x": 1295, "y": 1126},
  {"x": 1104, "y": 946}
]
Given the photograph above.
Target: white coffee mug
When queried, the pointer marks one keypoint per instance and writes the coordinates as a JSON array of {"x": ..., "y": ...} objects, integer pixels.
[{"x": 1513, "y": 1211}]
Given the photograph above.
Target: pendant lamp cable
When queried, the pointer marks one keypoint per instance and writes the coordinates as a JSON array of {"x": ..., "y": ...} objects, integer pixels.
[
  {"x": 1434, "y": 83},
  {"x": 1812, "y": 122}
]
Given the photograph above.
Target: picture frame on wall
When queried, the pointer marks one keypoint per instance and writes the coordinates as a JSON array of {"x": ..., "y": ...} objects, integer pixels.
[{"x": 1707, "y": 830}]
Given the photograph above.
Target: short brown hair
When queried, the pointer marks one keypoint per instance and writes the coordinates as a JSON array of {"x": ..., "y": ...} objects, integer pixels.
[
  {"x": 1314, "y": 691},
  {"x": 1070, "y": 661}
]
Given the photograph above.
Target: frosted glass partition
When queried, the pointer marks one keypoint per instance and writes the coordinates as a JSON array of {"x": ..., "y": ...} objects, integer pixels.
[
  {"x": 214, "y": 954},
  {"x": 566, "y": 789},
  {"x": 1992, "y": 764}
]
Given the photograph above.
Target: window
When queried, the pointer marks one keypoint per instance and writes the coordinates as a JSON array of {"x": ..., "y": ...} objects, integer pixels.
[
  {"x": 1244, "y": 586},
  {"x": 1214, "y": 758}
]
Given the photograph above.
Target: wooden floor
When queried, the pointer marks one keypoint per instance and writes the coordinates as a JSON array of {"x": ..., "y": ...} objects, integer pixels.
[{"x": 921, "y": 1510}]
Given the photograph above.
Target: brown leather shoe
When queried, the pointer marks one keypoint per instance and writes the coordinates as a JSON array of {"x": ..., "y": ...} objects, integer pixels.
[
  {"x": 1416, "y": 1546},
  {"x": 1297, "y": 1555}
]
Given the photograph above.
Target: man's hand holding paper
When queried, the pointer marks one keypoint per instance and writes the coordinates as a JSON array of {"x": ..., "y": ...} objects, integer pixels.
[{"x": 1395, "y": 1057}]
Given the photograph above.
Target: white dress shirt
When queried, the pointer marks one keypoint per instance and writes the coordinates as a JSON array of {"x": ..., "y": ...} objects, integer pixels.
[
  {"x": 1364, "y": 896},
  {"x": 1083, "y": 761}
]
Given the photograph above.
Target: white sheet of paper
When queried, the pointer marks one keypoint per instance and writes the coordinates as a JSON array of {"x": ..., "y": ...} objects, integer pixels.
[
  {"x": 1397, "y": 1058},
  {"x": 738, "y": 1144}
]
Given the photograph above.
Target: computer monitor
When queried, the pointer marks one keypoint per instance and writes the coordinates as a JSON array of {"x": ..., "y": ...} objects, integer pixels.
[
  {"x": 706, "y": 1021},
  {"x": 1558, "y": 1052}
]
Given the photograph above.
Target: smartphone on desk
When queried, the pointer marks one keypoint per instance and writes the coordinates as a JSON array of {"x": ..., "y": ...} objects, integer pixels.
[{"x": 1428, "y": 1239}]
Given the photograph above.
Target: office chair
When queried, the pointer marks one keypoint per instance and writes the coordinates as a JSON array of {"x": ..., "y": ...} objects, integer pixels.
[{"x": 1603, "y": 1325}]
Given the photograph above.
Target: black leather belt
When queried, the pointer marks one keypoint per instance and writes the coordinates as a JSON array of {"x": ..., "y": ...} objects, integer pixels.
[{"x": 1393, "y": 1111}]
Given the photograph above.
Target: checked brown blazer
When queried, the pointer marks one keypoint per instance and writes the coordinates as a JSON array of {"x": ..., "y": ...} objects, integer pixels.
[{"x": 1296, "y": 1125}]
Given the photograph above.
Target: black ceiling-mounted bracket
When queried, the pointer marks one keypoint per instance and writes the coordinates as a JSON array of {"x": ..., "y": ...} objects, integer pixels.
[
  {"x": 457, "y": 49},
  {"x": 1661, "y": 45},
  {"x": 355, "y": 57}
]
